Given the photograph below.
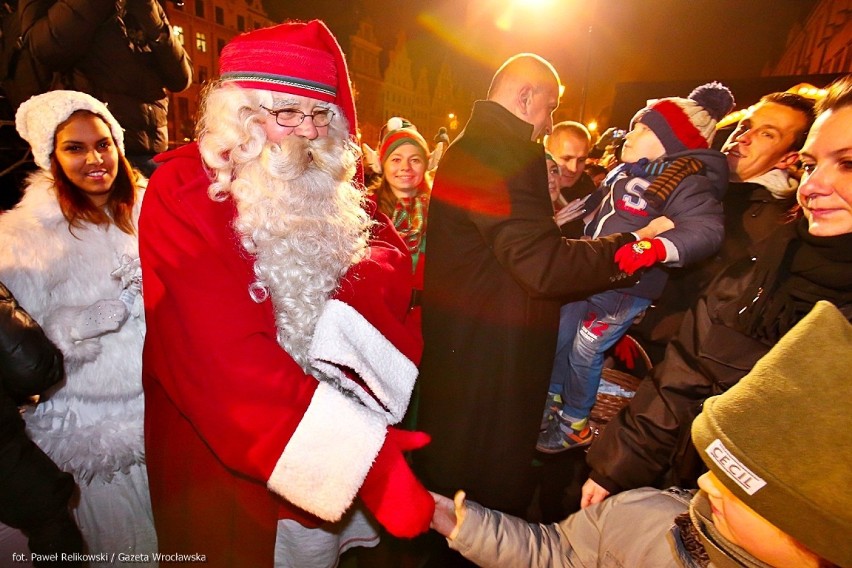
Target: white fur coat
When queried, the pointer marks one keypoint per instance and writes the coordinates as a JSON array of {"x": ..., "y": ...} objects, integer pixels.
[{"x": 91, "y": 424}]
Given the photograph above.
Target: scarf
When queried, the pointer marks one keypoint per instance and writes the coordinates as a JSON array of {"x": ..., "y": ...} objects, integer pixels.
[
  {"x": 669, "y": 174},
  {"x": 409, "y": 220},
  {"x": 787, "y": 286},
  {"x": 703, "y": 542}
]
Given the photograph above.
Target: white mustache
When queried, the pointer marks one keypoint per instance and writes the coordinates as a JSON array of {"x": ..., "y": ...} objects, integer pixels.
[{"x": 293, "y": 156}]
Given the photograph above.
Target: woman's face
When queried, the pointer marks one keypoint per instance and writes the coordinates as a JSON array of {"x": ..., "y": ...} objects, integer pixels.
[
  {"x": 552, "y": 179},
  {"x": 825, "y": 193},
  {"x": 87, "y": 154},
  {"x": 404, "y": 169}
]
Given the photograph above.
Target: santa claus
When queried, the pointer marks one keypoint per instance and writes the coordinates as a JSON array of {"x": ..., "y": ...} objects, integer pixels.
[{"x": 278, "y": 352}]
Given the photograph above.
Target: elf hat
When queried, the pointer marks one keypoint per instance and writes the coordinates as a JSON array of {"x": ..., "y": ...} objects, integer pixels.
[
  {"x": 299, "y": 58},
  {"x": 780, "y": 439},
  {"x": 400, "y": 131},
  {"x": 690, "y": 123},
  {"x": 39, "y": 116}
]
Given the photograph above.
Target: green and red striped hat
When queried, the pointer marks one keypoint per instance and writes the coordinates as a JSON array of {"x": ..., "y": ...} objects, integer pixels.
[{"x": 400, "y": 131}]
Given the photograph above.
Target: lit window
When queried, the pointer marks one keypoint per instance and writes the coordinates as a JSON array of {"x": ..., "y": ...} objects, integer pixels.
[
  {"x": 201, "y": 42},
  {"x": 177, "y": 31}
]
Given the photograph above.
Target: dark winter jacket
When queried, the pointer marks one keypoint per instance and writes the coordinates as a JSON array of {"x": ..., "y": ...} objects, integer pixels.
[
  {"x": 88, "y": 44},
  {"x": 752, "y": 213},
  {"x": 496, "y": 274},
  {"x": 34, "y": 493},
  {"x": 695, "y": 207},
  {"x": 648, "y": 442}
]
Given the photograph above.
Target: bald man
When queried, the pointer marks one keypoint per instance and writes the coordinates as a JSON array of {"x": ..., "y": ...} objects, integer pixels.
[{"x": 496, "y": 273}]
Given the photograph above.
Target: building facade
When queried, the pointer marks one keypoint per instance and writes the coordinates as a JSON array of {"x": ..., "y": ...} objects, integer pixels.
[
  {"x": 822, "y": 43},
  {"x": 204, "y": 27},
  {"x": 401, "y": 88}
]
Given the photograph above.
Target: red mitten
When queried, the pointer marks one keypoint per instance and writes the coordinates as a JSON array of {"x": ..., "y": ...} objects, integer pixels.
[
  {"x": 641, "y": 254},
  {"x": 397, "y": 499}
]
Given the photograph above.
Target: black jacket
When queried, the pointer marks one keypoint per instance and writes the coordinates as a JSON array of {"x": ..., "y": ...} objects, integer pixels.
[
  {"x": 648, "y": 442},
  {"x": 751, "y": 215},
  {"x": 34, "y": 493},
  {"x": 85, "y": 42},
  {"x": 496, "y": 274}
]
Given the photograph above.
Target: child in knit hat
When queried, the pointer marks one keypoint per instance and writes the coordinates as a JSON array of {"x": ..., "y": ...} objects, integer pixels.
[
  {"x": 768, "y": 499},
  {"x": 668, "y": 170}
]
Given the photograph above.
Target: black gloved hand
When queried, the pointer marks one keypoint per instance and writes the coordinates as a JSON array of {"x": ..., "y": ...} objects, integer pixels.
[{"x": 606, "y": 138}]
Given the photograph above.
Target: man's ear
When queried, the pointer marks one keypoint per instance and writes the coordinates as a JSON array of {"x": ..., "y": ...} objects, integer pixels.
[
  {"x": 787, "y": 160},
  {"x": 525, "y": 96}
]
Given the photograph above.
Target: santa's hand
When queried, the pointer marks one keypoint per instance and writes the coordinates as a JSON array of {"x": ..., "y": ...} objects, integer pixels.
[
  {"x": 392, "y": 493},
  {"x": 101, "y": 317},
  {"x": 641, "y": 254}
]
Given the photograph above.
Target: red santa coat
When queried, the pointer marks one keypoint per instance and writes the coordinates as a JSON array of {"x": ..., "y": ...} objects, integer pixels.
[{"x": 237, "y": 435}]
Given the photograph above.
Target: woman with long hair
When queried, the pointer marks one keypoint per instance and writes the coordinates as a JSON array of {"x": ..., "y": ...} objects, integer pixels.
[
  {"x": 70, "y": 254},
  {"x": 402, "y": 192}
]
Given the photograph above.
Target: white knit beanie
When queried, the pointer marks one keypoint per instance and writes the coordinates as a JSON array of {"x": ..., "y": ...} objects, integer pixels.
[{"x": 39, "y": 116}]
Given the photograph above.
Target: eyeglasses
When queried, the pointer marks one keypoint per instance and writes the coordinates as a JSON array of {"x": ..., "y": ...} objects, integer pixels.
[{"x": 292, "y": 118}]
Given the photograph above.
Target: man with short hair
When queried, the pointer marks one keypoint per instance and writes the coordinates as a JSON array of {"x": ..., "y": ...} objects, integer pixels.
[
  {"x": 569, "y": 144},
  {"x": 278, "y": 350},
  {"x": 496, "y": 274}
]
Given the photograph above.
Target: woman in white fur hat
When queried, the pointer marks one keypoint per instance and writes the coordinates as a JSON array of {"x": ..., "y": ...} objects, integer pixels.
[{"x": 70, "y": 254}]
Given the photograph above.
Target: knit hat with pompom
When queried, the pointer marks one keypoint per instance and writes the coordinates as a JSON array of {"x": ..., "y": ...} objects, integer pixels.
[
  {"x": 690, "y": 123},
  {"x": 400, "y": 131}
]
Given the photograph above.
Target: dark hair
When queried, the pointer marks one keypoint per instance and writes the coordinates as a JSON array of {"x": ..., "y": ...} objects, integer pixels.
[
  {"x": 839, "y": 95},
  {"x": 799, "y": 103},
  {"x": 78, "y": 208}
]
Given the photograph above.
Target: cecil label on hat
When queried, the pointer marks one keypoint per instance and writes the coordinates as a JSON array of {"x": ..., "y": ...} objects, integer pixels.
[{"x": 734, "y": 468}]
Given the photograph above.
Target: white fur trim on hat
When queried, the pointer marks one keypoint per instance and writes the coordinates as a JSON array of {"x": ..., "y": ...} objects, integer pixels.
[{"x": 39, "y": 116}]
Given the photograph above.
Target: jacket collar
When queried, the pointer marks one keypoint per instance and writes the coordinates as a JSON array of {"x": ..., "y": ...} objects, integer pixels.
[{"x": 489, "y": 114}]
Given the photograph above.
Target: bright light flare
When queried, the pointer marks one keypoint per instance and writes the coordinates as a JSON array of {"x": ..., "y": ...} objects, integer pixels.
[{"x": 507, "y": 18}]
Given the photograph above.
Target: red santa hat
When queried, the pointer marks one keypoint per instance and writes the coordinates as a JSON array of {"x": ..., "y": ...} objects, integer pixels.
[{"x": 299, "y": 58}]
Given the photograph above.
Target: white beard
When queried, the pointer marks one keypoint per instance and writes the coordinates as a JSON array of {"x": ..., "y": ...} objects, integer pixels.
[{"x": 303, "y": 219}]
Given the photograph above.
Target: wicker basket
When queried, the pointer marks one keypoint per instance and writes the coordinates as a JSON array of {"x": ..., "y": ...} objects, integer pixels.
[{"x": 607, "y": 405}]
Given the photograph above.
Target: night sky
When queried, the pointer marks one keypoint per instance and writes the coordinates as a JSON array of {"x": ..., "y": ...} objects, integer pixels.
[{"x": 631, "y": 40}]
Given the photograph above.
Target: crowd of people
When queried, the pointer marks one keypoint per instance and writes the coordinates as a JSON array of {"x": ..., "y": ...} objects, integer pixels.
[{"x": 241, "y": 354}]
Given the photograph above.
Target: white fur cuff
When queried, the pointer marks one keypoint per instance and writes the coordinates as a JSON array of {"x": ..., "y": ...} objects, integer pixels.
[
  {"x": 343, "y": 338},
  {"x": 325, "y": 463}
]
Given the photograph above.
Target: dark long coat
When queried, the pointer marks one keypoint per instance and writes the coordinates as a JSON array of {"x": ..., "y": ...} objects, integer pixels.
[{"x": 496, "y": 274}]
